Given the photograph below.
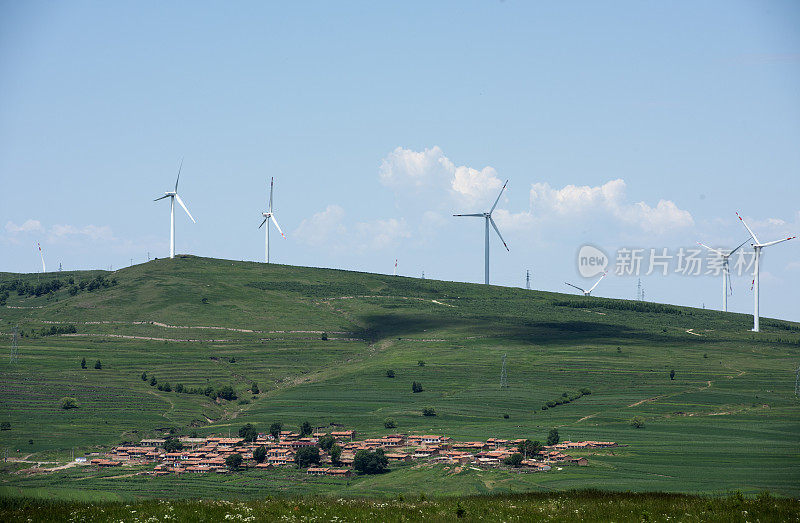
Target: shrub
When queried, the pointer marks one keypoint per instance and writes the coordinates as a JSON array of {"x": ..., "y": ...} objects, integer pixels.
[
  {"x": 234, "y": 461},
  {"x": 68, "y": 403},
  {"x": 226, "y": 392},
  {"x": 637, "y": 422},
  {"x": 324, "y": 336},
  {"x": 244, "y": 401},
  {"x": 153, "y": 381},
  {"x": 505, "y": 416},
  {"x": 83, "y": 363},
  {"x": 672, "y": 374},
  {"x": 553, "y": 437},
  {"x": 366, "y": 462},
  {"x": 389, "y": 423},
  {"x": 73, "y": 291},
  {"x": 144, "y": 376},
  {"x": 428, "y": 411},
  {"x": 421, "y": 363},
  {"x": 167, "y": 387},
  {"x": 390, "y": 373},
  {"x": 306, "y": 456},
  {"x": 232, "y": 359},
  {"x": 160, "y": 386},
  {"x": 98, "y": 365},
  {"x": 416, "y": 387},
  {"x": 248, "y": 432},
  {"x": 254, "y": 388},
  {"x": 6, "y": 425},
  {"x": 260, "y": 454},
  {"x": 178, "y": 388}
]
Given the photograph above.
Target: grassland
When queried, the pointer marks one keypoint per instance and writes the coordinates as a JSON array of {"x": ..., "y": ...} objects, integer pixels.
[{"x": 729, "y": 420}]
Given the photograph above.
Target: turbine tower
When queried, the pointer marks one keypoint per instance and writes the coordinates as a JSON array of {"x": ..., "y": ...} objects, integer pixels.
[
  {"x": 270, "y": 216},
  {"x": 173, "y": 195},
  {"x": 488, "y": 218},
  {"x": 726, "y": 271},
  {"x": 589, "y": 292},
  {"x": 757, "y": 246}
]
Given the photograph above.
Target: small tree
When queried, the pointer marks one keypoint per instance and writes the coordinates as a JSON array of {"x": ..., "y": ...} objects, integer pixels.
[
  {"x": 389, "y": 423},
  {"x": 248, "y": 432},
  {"x": 260, "y": 454},
  {"x": 390, "y": 373},
  {"x": 326, "y": 442},
  {"x": 234, "y": 461},
  {"x": 421, "y": 363},
  {"x": 167, "y": 387},
  {"x": 144, "y": 376},
  {"x": 232, "y": 359},
  {"x": 83, "y": 363},
  {"x": 336, "y": 453},
  {"x": 366, "y": 462},
  {"x": 416, "y": 387},
  {"x": 179, "y": 388},
  {"x": 324, "y": 336},
  {"x": 98, "y": 365},
  {"x": 637, "y": 422},
  {"x": 306, "y": 456},
  {"x": 275, "y": 430},
  {"x": 173, "y": 445},
  {"x": 305, "y": 429},
  {"x": 428, "y": 411},
  {"x": 552, "y": 437},
  {"x": 254, "y": 388},
  {"x": 672, "y": 374},
  {"x": 153, "y": 381},
  {"x": 68, "y": 403},
  {"x": 515, "y": 460},
  {"x": 6, "y": 425},
  {"x": 226, "y": 392}
]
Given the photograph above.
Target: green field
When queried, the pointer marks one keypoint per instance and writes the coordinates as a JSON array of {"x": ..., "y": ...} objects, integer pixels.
[{"x": 728, "y": 421}]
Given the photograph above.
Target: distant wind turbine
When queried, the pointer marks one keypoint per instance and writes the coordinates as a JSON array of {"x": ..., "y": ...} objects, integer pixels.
[
  {"x": 488, "y": 218},
  {"x": 270, "y": 216},
  {"x": 726, "y": 271},
  {"x": 757, "y": 246},
  {"x": 589, "y": 292},
  {"x": 41, "y": 256},
  {"x": 173, "y": 195}
]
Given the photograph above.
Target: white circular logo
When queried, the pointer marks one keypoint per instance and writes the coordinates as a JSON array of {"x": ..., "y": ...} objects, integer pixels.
[{"x": 591, "y": 261}]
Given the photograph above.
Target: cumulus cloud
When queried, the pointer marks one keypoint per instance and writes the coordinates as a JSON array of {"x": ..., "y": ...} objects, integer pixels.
[
  {"x": 89, "y": 232},
  {"x": 327, "y": 228},
  {"x": 576, "y": 202},
  {"x": 323, "y": 227},
  {"x": 380, "y": 234},
  {"x": 28, "y": 226},
  {"x": 430, "y": 171}
]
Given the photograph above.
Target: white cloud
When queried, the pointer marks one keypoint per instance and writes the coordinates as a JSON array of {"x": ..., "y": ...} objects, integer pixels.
[
  {"x": 327, "y": 228},
  {"x": 380, "y": 234},
  {"x": 28, "y": 226},
  {"x": 90, "y": 232},
  {"x": 323, "y": 227},
  {"x": 431, "y": 172},
  {"x": 576, "y": 202}
]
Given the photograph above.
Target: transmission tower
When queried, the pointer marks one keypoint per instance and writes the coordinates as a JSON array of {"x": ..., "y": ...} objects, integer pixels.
[
  {"x": 639, "y": 290},
  {"x": 14, "y": 350},
  {"x": 528, "y": 279},
  {"x": 503, "y": 375}
]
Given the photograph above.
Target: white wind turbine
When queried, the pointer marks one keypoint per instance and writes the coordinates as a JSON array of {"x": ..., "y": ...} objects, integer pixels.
[
  {"x": 173, "y": 195},
  {"x": 726, "y": 271},
  {"x": 589, "y": 292},
  {"x": 270, "y": 216},
  {"x": 488, "y": 218},
  {"x": 757, "y": 246}
]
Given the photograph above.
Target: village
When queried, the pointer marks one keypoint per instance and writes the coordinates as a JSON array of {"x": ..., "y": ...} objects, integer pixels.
[{"x": 212, "y": 454}]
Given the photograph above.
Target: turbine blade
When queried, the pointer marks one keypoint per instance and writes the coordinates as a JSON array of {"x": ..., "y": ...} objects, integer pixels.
[
  {"x": 778, "y": 241},
  {"x": 271, "y": 184},
  {"x": 752, "y": 234},
  {"x": 476, "y": 214},
  {"x": 184, "y": 208},
  {"x": 498, "y": 197},
  {"x": 179, "y": 175},
  {"x": 711, "y": 249},
  {"x": 575, "y": 287},
  {"x": 272, "y": 217},
  {"x": 498, "y": 233},
  {"x": 262, "y": 223},
  {"x": 598, "y": 281},
  {"x": 161, "y": 198},
  {"x": 739, "y": 247}
]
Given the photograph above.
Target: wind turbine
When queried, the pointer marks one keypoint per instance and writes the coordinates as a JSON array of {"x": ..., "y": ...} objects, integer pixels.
[
  {"x": 757, "y": 246},
  {"x": 173, "y": 195},
  {"x": 726, "y": 271},
  {"x": 488, "y": 218},
  {"x": 589, "y": 292},
  {"x": 270, "y": 216}
]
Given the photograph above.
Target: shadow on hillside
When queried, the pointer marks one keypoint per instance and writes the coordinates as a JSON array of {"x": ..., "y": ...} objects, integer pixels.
[
  {"x": 552, "y": 331},
  {"x": 381, "y": 326}
]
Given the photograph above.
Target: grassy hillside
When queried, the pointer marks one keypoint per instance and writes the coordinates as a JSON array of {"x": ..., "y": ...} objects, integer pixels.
[{"x": 728, "y": 420}]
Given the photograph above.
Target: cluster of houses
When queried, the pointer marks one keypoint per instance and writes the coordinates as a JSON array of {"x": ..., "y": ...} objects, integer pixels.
[{"x": 204, "y": 455}]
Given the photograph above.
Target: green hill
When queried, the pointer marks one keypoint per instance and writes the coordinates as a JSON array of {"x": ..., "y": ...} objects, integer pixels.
[{"x": 728, "y": 420}]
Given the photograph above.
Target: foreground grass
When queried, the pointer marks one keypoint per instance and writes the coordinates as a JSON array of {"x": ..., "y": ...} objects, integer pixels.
[{"x": 570, "y": 506}]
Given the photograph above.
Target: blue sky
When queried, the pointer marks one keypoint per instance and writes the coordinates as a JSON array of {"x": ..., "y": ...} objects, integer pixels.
[{"x": 625, "y": 124}]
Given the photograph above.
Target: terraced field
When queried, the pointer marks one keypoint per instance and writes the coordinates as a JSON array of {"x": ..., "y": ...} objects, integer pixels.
[{"x": 728, "y": 420}]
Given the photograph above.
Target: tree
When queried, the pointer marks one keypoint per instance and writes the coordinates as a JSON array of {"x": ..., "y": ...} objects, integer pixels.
[
  {"x": 179, "y": 387},
  {"x": 515, "y": 460},
  {"x": 389, "y": 423},
  {"x": 68, "y": 403},
  {"x": 144, "y": 376},
  {"x": 167, "y": 387},
  {"x": 421, "y": 363},
  {"x": 6, "y": 425},
  {"x": 275, "y": 430},
  {"x": 305, "y": 429},
  {"x": 366, "y": 462},
  {"x": 672, "y": 374},
  {"x": 326, "y": 442},
  {"x": 260, "y": 454},
  {"x": 153, "y": 381},
  {"x": 173, "y": 445},
  {"x": 83, "y": 363},
  {"x": 254, "y": 388},
  {"x": 529, "y": 448},
  {"x": 226, "y": 392},
  {"x": 336, "y": 453},
  {"x": 234, "y": 461},
  {"x": 98, "y": 365},
  {"x": 553, "y": 438},
  {"x": 637, "y": 422},
  {"x": 248, "y": 432},
  {"x": 428, "y": 411},
  {"x": 390, "y": 373},
  {"x": 324, "y": 336},
  {"x": 416, "y": 387},
  {"x": 306, "y": 456}
]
